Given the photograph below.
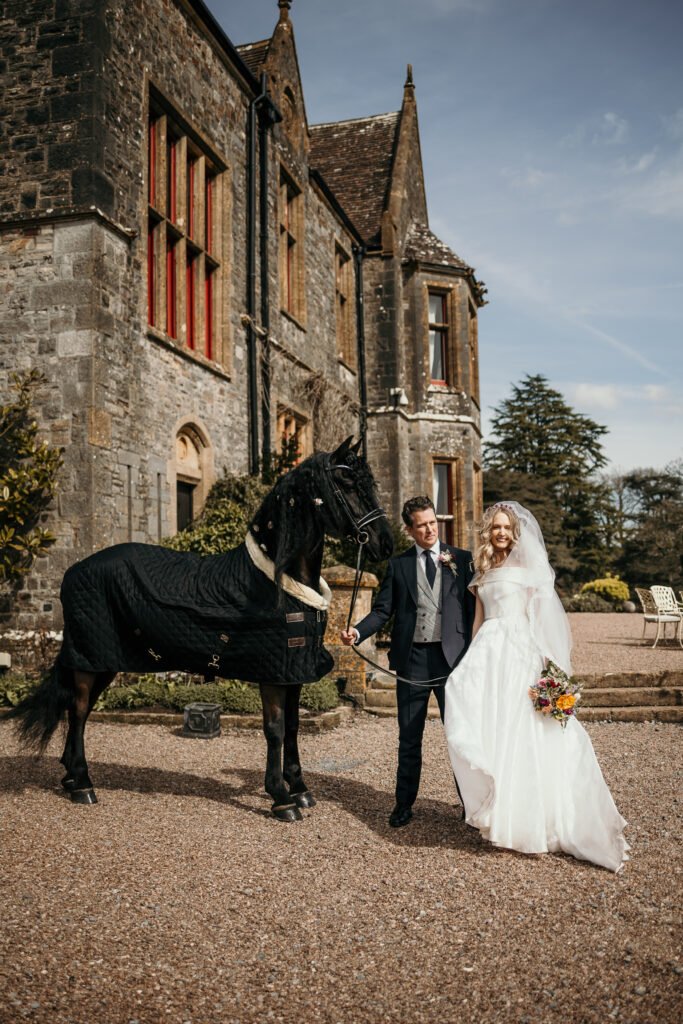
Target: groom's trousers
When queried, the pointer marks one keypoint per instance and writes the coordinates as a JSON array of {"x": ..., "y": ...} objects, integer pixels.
[{"x": 427, "y": 661}]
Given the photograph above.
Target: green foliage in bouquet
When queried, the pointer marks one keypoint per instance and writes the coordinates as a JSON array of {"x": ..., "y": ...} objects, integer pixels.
[
  {"x": 556, "y": 694},
  {"x": 28, "y": 480}
]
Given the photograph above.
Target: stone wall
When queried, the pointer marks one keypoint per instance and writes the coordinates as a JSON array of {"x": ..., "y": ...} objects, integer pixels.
[{"x": 77, "y": 92}]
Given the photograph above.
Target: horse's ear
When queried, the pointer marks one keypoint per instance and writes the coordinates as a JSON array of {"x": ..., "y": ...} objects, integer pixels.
[
  {"x": 343, "y": 450},
  {"x": 356, "y": 447}
]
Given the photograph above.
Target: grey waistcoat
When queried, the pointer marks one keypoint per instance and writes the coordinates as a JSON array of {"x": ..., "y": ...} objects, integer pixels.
[{"x": 428, "y": 623}]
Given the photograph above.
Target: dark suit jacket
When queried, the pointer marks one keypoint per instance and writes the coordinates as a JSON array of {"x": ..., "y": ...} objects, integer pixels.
[{"x": 398, "y": 597}]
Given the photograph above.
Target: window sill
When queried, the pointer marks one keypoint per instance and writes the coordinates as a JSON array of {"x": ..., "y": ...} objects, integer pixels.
[
  {"x": 193, "y": 357},
  {"x": 441, "y": 387},
  {"x": 290, "y": 316},
  {"x": 347, "y": 365}
]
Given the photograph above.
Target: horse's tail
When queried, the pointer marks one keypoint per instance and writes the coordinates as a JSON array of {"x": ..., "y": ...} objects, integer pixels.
[{"x": 38, "y": 715}]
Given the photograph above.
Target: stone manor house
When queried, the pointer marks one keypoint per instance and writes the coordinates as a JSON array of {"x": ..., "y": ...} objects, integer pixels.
[{"x": 200, "y": 273}]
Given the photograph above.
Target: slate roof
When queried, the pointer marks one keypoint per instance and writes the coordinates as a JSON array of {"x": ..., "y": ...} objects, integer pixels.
[
  {"x": 254, "y": 54},
  {"x": 424, "y": 246},
  {"x": 355, "y": 159}
]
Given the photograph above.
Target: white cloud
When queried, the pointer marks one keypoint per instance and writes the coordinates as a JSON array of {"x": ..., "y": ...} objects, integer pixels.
[
  {"x": 612, "y": 130},
  {"x": 660, "y": 195},
  {"x": 531, "y": 178},
  {"x": 611, "y": 396},
  {"x": 567, "y": 218},
  {"x": 608, "y": 129},
  {"x": 620, "y": 346},
  {"x": 641, "y": 164},
  {"x": 673, "y": 124},
  {"x": 599, "y": 396}
]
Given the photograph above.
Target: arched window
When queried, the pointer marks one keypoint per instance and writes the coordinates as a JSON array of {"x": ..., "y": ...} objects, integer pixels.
[{"x": 191, "y": 472}]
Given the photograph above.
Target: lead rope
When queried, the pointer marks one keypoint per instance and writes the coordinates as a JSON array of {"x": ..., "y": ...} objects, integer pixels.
[{"x": 436, "y": 681}]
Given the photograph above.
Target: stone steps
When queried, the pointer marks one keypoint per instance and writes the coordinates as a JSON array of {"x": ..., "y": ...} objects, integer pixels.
[
  {"x": 632, "y": 696},
  {"x": 632, "y": 714},
  {"x": 628, "y": 679},
  {"x": 614, "y": 696}
]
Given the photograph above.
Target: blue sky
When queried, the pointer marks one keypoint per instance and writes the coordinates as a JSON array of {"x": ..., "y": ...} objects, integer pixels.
[{"x": 552, "y": 143}]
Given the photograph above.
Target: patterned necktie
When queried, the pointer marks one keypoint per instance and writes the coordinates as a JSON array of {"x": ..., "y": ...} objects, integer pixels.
[{"x": 430, "y": 568}]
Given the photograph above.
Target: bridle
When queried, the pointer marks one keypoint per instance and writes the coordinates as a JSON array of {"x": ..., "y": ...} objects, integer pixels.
[
  {"x": 361, "y": 537},
  {"x": 358, "y": 524}
]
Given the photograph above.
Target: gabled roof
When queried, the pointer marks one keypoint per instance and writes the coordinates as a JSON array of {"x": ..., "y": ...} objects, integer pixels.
[
  {"x": 355, "y": 158},
  {"x": 423, "y": 245},
  {"x": 254, "y": 54}
]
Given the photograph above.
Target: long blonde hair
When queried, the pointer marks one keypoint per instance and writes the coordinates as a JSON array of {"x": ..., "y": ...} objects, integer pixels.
[{"x": 484, "y": 556}]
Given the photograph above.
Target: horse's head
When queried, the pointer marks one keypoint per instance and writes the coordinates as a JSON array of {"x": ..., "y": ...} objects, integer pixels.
[
  {"x": 349, "y": 504},
  {"x": 331, "y": 493}
]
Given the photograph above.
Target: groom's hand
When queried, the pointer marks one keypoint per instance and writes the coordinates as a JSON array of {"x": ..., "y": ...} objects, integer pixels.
[{"x": 349, "y": 636}]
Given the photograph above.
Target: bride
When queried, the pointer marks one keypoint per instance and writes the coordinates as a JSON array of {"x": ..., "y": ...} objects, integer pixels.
[{"x": 526, "y": 783}]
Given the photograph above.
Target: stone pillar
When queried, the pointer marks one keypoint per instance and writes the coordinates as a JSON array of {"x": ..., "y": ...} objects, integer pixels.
[{"x": 347, "y": 664}]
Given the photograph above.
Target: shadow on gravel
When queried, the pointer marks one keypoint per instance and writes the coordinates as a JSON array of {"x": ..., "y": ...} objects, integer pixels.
[
  {"x": 44, "y": 773},
  {"x": 435, "y": 823}
]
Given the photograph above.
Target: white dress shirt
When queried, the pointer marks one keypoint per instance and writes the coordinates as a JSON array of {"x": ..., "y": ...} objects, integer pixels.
[{"x": 433, "y": 552}]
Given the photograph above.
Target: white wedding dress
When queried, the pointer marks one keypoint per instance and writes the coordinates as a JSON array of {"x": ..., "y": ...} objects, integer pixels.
[{"x": 527, "y": 784}]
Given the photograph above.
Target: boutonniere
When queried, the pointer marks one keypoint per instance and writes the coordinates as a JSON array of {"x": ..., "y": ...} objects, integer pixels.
[{"x": 446, "y": 558}]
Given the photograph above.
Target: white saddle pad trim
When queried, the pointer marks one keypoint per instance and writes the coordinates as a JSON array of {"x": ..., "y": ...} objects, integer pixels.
[{"x": 290, "y": 586}]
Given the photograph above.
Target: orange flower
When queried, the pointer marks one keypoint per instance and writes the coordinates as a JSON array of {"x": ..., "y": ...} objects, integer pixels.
[{"x": 566, "y": 701}]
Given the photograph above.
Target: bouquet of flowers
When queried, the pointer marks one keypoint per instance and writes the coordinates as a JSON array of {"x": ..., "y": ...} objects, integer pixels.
[{"x": 556, "y": 694}]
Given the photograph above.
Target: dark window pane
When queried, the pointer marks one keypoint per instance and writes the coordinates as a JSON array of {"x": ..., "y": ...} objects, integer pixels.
[{"x": 184, "y": 503}]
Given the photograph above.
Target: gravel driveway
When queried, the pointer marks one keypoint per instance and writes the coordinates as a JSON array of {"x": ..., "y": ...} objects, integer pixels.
[
  {"x": 612, "y": 642},
  {"x": 177, "y": 898}
]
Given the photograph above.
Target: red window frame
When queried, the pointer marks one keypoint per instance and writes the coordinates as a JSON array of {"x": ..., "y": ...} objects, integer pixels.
[
  {"x": 171, "y": 290},
  {"x": 191, "y": 301},
  {"x": 209, "y": 315}
]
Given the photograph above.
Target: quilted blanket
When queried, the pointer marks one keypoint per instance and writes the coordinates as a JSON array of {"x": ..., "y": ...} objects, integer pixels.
[{"x": 142, "y": 608}]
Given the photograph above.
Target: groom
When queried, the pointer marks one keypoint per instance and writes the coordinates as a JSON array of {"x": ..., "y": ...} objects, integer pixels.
[{"x": 425, "y": 589}]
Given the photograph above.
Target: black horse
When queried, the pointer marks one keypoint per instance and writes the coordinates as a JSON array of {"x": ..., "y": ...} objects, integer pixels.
[{"x": 256, "y": 613}]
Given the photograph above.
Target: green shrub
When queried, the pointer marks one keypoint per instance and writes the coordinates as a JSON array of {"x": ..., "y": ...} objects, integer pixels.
[
  {"x": 28, "y": 480},
  {"x": 234, "y": 696},
  {"x": 610, "y": 588},
  {"x": 223, "y": 523},
  {"x": 586, "y": 603},
  {"x": 320, "y": 696},
  {"x": 14, "y": 687}
]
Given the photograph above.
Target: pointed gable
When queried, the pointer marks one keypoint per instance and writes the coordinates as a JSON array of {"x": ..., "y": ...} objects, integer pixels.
[
  {"x": 423, "y": 246},
  {"x": 356, "y": 158},
  {"x": 254, "y": 55}
]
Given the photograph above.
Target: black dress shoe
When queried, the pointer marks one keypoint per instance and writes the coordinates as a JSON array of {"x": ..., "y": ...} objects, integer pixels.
[{"x": 400, "y": 815}]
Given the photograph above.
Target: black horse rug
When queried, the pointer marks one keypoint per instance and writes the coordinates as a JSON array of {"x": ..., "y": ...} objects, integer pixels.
[{"x": 142, "y": 608}]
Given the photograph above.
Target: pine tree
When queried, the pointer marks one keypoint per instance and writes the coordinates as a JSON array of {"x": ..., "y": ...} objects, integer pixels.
[{"x": 546, "y": 454}]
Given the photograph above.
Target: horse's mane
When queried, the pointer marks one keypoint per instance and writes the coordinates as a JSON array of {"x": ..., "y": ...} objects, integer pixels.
[{"x": 290, "y": 520}]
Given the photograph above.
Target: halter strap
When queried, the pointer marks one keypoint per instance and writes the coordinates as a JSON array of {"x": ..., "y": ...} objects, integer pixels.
[{"x": 358, "y": 523}]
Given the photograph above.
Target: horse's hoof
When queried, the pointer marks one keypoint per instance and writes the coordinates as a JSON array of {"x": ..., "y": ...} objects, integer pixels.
[
  {"x": 305, "y": 799},
  {"x": 287, "y": 812},
  {"x": 83, "y": 796},
  {"x": 68, "y": 783}
]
